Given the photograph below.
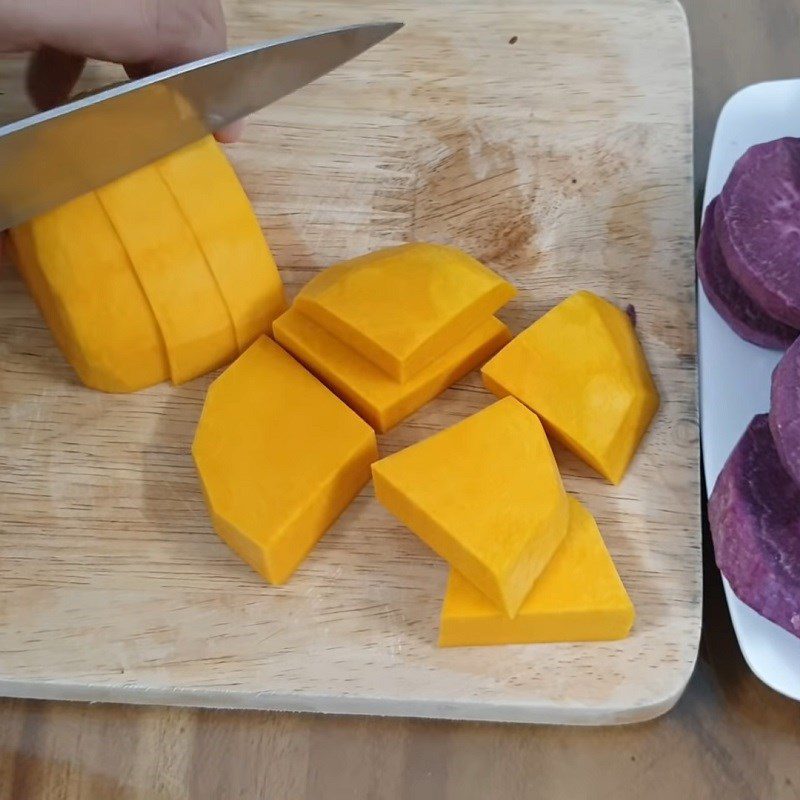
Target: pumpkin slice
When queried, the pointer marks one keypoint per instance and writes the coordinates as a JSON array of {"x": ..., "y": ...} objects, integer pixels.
[
  {"x": 380, "y": 400},
  {"x": 582, "y": 370},
  {"x": 486, "y": 495},
  {"x": 404, "y": 307},
  {"x": 279, "y": 457},
  {"x": 578, "y": 598},
  {"x": 82, "y": 279},
  {"x": 219, "y": 214},
  {"x": 186, "y": 301}
]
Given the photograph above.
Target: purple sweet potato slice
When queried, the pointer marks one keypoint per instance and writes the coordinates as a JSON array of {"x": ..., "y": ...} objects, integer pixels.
[
  {"x": 758, "y": 227},
  {"x": 729, "y": 300},
  {"x": 754, "y": 512},
  {"x": 784, "y": 414}
]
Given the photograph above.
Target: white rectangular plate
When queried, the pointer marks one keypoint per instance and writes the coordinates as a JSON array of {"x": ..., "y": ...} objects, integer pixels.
[{"x": 734, "y": 374}]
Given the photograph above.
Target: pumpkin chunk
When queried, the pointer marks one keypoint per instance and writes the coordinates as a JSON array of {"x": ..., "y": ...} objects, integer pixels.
[
  {"x": 579, "y": 597},
  {"x": 581, "y": 369},
  {"x": 405, "y": 306},
  {"x": 367, "y": 389},
  {"x": 486, "y": 495},
  {"x": 279, "y": 457},
  {"x": 78, "y": 272}
]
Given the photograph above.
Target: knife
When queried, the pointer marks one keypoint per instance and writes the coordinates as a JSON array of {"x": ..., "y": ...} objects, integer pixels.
[{"x": 52, "y": 157}]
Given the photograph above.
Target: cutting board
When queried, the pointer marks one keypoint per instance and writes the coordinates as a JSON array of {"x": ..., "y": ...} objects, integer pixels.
[{"x": 552, "y": 140}]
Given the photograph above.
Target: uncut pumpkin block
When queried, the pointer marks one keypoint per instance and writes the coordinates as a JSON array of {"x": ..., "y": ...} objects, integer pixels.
[
  {"x": 578, "y": 598},
  {"x": 279, "y": 457},
  {"x": 582, "y": 370},
  {"x": 486, "y": 495},
  {"x": 405, "y": 306},
  {"x": 367, "y": 389},
  {"x": 162, "y": 273}
]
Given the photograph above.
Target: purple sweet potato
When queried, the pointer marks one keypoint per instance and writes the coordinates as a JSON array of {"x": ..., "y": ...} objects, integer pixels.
[
  {"x": 729, "y": 299},
  {"x": 758, "y": 227},
  {"x": 784, "y": 414},
  {"x": 754, "y": 512}
]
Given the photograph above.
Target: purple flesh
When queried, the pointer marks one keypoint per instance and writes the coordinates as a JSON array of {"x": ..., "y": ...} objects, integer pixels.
[
  {"x": 729, "y": 299},
  {"x": 784, "y": 414},
  {"x": 758, "y": 227},
  {"x": 754, "y": 512}
]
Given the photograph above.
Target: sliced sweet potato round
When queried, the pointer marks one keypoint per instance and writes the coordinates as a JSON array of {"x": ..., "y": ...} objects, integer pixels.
[
  {"x": 754, "y": 513},
  {"x": 729, "y": 300},
  {"x": 784, "y": 415},
  {"x": 758, "y": 227}
]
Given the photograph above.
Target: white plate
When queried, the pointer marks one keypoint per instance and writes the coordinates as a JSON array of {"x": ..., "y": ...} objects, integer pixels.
[{"x": 730, "y": 367}]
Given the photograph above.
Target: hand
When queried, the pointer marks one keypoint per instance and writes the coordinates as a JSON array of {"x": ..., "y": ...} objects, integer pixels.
[{"x": 144, "y": 36}]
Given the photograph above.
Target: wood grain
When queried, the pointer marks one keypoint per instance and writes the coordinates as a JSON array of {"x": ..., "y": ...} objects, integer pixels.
[
  {"x": 546, "y": 160},
  {"x": 729, "y": 736}
]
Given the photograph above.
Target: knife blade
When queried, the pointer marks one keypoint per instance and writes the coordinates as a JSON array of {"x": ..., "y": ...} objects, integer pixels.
[{"x": 52, "y": 157}]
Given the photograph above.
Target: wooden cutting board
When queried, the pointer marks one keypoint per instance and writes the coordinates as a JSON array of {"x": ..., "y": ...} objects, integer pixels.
[{"x": 553, "y": 141}]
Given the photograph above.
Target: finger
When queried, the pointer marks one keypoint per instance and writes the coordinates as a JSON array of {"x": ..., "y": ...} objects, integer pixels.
[
  {"x": 186, "y": 30},
  {"x": 155, "y": 33},
  {"x": 189, "y": 31},
  {"x": 230, "y": 133},
  {"x": 145, "y": 36},
  {"x": 51, "y": 76}
]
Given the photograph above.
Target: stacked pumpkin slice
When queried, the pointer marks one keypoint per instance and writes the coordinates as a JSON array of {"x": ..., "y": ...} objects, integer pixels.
[
  {"x": 162, "y": 274},
  {"x": 391, "y": 330}
]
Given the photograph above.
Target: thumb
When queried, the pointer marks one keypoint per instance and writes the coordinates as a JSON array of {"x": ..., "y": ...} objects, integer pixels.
[{"x": 52, "y": 75}]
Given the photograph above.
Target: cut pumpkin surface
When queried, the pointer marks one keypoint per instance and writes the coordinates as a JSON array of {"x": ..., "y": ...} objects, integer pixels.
[
  {"x": 82, "y": 279},
  {"x": 578, "y": 597},
  {"x": 208, "y": 192},
  {"x": 381, "y": 401},
  {"x": 404, "y": 307},
  {"x": 486, "y": 495},
  {"x": 194, "y": 321},
  {"x": 581, "y": 368},
  {"x": 279, "y": 457}
]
